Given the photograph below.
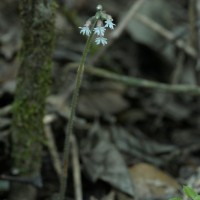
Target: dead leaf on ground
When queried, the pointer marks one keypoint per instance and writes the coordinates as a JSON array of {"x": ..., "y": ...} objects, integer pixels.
[
  {"x": 102, "y": 160},
  {"x": 152, "y": 183},
  {"x": 142, "y": 148}
]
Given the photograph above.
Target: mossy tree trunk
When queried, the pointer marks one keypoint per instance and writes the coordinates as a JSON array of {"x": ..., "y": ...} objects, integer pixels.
[{"x": 33, "y": 82}]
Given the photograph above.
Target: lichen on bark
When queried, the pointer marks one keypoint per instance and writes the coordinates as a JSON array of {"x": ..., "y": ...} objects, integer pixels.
[{"x": 33, "y": 82}]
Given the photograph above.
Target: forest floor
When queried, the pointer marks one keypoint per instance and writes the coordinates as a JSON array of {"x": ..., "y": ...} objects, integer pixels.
[{"x": 131, "y": 139}]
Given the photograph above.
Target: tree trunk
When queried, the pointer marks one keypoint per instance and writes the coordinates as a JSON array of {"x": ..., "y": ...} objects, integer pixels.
[{"x": 37, "y": 17}]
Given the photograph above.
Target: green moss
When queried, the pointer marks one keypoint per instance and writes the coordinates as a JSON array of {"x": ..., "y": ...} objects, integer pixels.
[{"x": 32, "y": 85}]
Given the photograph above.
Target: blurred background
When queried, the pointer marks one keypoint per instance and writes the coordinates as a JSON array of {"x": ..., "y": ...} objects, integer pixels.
[{"x": 132, "y": 142}]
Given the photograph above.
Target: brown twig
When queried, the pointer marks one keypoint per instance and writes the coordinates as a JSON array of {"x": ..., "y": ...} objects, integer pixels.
[
  {"x": 130, "y": 14},
  {"x": 53, "y": 150},
  {"x": 5, "y": 110},
  {"x": 119, "y": 29},
  {"x": 193, "y": 37},
  {"x": 168, "y": 35},
  {"x": 192, "y": 16},
  {"x": 198, "y": 33},
  {"x": 76, "y": 169}
]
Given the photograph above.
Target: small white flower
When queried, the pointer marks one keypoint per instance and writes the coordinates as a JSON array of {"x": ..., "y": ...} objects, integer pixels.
[
  {"x": 101, "y": 40},
  {"x": 85, "y": 30},
  {"x": 99, "y": 30},
  {"x": 109, "y": 23}
]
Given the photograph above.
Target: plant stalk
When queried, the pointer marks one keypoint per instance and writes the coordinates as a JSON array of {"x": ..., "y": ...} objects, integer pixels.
[{"x": 80, "y": 71}]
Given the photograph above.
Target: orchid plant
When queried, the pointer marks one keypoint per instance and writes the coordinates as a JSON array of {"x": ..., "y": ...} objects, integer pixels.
[{"x": 96, "y": 25}]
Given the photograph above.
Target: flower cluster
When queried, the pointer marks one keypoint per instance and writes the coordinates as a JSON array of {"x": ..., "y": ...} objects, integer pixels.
[{"x": 99, "y": 23}]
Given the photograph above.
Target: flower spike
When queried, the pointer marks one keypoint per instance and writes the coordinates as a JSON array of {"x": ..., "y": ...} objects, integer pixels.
[{"x": 100, "y": 22}]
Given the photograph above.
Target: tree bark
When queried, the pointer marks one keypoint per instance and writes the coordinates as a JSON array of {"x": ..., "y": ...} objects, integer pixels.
[{"x": 33, "y": 82}]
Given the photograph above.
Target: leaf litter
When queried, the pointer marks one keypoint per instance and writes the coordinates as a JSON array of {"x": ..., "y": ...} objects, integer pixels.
[{"x": 116, "y": 126}]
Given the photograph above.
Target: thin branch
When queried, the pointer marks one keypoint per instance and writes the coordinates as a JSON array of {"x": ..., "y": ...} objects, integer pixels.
[
  {"x": 130, "y": 14},
  {"x": 53, "y": 150},
  {"x": 192, "y": 18},
  {"x": 168, "y": 35},
  {"x": 193, "y": 37},
  {"x": 119, "y": 29},
  {"x": 139, "y": 82},
  {"x": 76, "y": 169},
  {"x": 198, "y": 46}
]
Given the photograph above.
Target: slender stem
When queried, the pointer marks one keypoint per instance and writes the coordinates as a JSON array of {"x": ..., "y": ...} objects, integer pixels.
[
  {"x": 63, "y": 184},
  {"x": 139, "y": 82}
]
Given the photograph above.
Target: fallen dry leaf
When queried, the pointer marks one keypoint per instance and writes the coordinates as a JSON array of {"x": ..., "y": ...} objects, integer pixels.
[{"x": 152, "y": 183}]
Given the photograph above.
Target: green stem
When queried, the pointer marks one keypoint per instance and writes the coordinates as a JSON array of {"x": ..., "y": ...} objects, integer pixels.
[
  {"x": 79, "y": 76},
  {"x": 139, "y": 82}
]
